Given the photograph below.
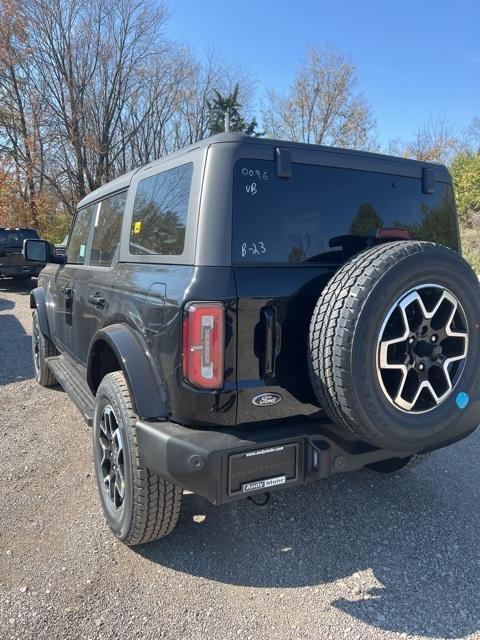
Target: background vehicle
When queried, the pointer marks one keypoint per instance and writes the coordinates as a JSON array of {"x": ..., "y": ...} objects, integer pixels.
[
  {"x": 12, "y": 262},
  {"x": 249, "y": 314}
]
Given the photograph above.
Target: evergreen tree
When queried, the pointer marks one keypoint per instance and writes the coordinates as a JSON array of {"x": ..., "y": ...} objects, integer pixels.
[
  {"x": 219, "y": 105},
  {"x": 367, "y": 219}
]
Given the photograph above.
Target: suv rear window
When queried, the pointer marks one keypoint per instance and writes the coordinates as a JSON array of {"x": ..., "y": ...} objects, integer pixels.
[
  {"x": 15, "y": 237},
  {"x": 323, "y": 214}
]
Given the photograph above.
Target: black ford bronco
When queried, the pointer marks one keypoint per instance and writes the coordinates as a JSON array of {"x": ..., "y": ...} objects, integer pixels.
[{"x": 247, "y": 314}]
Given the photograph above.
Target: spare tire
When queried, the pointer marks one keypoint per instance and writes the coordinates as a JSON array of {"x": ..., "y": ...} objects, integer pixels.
[{"x": 394, "y": 345}]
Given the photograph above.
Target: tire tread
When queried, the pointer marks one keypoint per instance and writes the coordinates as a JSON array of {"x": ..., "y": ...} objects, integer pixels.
[
  {"x": 47, "y": 350},
  {"x": 333, "y": 324},
  {"x": 156, "y": 502}
]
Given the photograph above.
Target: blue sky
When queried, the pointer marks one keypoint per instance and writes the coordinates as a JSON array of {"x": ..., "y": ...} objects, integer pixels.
[{"x": 415, "y": 60}]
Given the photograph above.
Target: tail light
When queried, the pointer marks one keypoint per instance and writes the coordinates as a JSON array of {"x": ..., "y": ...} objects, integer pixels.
[{"x": 204, "y": 344}]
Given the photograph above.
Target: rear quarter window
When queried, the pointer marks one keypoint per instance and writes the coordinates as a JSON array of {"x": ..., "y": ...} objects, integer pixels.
[
  {"x": 324, "y": 214},
  {"x": 160, "y": 213}
]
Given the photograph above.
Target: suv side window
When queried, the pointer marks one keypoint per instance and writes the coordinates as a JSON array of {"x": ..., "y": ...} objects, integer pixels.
[
  {"x": 160, "y": 212},
  {"x": 106, "y": 232},
  {"x": 77, "y": 246}
]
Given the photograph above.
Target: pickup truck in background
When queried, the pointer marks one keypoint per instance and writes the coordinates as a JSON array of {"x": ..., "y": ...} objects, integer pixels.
[{"x": 12, "y": 263}]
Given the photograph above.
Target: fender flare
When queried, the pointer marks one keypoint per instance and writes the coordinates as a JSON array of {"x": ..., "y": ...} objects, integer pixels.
[
  {"x": 135, "y": 359},
  {"x": 37, "y": 301}
]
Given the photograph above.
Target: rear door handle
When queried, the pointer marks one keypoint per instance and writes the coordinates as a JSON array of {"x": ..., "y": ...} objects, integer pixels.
[
  {"x": 97, "y": 301},
  {"x": 268, "y": 321}
]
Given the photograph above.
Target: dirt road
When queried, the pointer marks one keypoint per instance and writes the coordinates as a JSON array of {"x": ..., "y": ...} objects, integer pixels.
[{"x": 359, "y": 556}]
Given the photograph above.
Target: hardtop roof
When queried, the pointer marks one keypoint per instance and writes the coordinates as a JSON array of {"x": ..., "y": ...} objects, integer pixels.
[{"x": 123, "y": 181}]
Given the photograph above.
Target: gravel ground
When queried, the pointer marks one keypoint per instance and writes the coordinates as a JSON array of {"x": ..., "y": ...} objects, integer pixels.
[{"x": 358, "y": 556}]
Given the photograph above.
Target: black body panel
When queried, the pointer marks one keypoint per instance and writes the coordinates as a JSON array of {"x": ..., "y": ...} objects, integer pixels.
[
  {"x": 203, "y": 461},
  {"x": 37, "y": 301},
  {"x": 129, "y": 313},
  {"x": 147, "y": 302},
  {"x": 291, "y": 293},
  {"x": 141, "y": 374}
]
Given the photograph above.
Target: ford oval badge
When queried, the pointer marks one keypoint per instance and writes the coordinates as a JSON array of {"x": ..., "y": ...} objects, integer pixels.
[{"x": 266, "y": 399}]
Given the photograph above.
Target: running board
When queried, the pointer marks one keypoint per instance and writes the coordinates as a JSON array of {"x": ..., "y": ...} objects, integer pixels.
[{"x": 75, "y": 385}]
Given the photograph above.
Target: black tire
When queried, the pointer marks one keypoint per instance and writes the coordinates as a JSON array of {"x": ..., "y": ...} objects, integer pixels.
[
  {"x": 42, "y": 348},
  {"x": 345, "y": 328},
  {"x": 150, "y": 506},
  {"x": 393, "y": 465}
]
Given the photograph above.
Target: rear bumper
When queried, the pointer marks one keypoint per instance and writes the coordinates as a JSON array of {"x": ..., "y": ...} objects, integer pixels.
[{"x": 223, "y": 466}]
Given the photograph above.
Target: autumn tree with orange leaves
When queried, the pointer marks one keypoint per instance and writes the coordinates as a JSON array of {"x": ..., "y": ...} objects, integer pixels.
[{"x": 88, "y": 91}]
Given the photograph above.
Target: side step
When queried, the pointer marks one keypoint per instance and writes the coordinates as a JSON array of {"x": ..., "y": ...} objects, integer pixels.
[{"x": 70, "y": 378}]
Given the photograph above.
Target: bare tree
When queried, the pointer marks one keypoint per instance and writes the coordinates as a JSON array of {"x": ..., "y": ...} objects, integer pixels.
[
  {"x": 90, "y": 59},
  {"x": 131, "y": 48},
  {"x": 154, "y": 108},
  {"x": 322, "y": 105},
  {"x": 192, "y": 119},
  {"x": 19, "y": 109},
  {"x": 90, "y": 89},
  {"x": 64, "y": 47},
  {"x": 435, "y": 141},
  {"x": 471, "y": 137}
]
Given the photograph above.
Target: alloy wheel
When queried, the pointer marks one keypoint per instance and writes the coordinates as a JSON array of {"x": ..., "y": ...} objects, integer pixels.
[
  {"x": 422, "y": 348},
  {"x": 36, "y": 347},
  {"x": 112, "y": 464}
]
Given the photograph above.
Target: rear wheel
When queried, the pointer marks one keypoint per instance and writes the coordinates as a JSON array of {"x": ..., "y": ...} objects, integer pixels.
[
  {"x": 393, "y": 345},
  {"x": 139, "y": 505},
  {"x": 42, "y": 348}
]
